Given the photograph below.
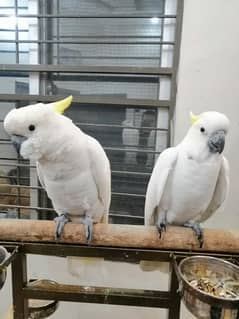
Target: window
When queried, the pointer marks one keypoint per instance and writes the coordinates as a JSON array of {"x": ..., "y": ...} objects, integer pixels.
[{"x": 119, "y": 61}]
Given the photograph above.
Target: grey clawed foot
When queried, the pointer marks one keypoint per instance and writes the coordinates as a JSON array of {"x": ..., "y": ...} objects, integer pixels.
[
  {"x": 88, "y": 224},
  {"x": 161, "y": 227},
  {"x": 60, "y": 223},
  {"x": 198, "y": 230}
]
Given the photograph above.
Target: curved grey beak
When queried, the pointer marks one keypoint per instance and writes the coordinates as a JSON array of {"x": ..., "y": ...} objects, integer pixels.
[
  {"x": 17, "y": 141},
  {"x": 216, "y": 142}
]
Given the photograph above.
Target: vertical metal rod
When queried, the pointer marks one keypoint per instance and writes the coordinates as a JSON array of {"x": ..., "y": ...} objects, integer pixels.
[
  {"x": 16, "y": 32},
  {"x": 18, "y": 188},
  {"x": 176, "y": 56},
  {"x": 176, "y": 53},
  {"x": 161, "y": 37},
  {"x": 174, "y": 310},
  {"x": 39, "y": 36},
  {"x": 19, "y": 280},
  {"x": 50, "y": 47},
  {"x": 58, "y": 33}
]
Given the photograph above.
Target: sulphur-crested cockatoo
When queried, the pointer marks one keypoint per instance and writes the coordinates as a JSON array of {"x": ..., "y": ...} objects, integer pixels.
[
  {"x": 190, "y": 181},
  {"x": 71, "y": 165}
]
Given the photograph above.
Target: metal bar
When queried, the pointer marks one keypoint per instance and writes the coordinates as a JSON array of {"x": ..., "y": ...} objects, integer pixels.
[
  {"x": 117, "y": 215},
  {"x": 102, "y": 295},
  {"x": 126, "y": 195},
  {"x": 9, "y": 259},
  {"x": 27, "y": 207},
  {"x": 18, "y": 189},
  {"x": 112, "y": 253},
  {"x": 12, "y": 7},
  {"x": 125, "y": 215},
  {"x": 16, "y": 164},
  {"x": 88, "y": 42},
  {"x": 85, "y": 69},
  {"x": 132, "y": 150},
  {"x": 176, "y": 55},
  {"x": 111, "y": 101},
  {"x": 112, "y": 16},
  {"x": 149, "y": 128},
  {"x": 19, "y": 280},
  {"x": 130, "y": 173},
  {"x": 174, "y": 309},
  {"x": 16, "y": 33},
  {"x": 122, "y": 78},
  {"x": 111, "y": 214},
  {"x": 48, "y": 37},
  {"x": 40, "y": 29},
  {"x": 13, "y": 29},
  {"x": 6, "y": 142},
  {"x": 21, "y": 186},
  {"x": 12, "y": 51},
  {"x": 108, "y": 253},
  {"x": 104, "y": 57},
  {"x": 57, "y": 32},
  {"x": 12, "y": 195},
  {"x": 14, "y": 176},
  {"x": 106, "y": 36}
]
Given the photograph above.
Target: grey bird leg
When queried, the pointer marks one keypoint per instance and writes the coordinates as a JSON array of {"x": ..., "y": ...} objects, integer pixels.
[
  {"x": 161, "y": 224},
  {"x": 60, "y": 223},
  {"x": 88, "y": 224},
  {"x": 198, "y": 230}
]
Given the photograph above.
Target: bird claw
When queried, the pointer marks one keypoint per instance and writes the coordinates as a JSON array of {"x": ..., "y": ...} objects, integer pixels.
[
  {"x": 88, "y": 224},
  {"x": 60, "y": 223},
  {"x": 196, "y": 227},
  {"x": 161, "y": 227}
]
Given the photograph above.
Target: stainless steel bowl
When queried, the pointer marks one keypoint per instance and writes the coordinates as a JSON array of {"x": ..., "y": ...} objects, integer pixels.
[
  {"x": 3, "y": 270},
  {"x": 40, "y": 309},
  {"x": 202, "y": 304}
]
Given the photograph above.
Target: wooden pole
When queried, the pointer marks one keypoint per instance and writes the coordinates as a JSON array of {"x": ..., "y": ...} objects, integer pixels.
[{"x": 215, "y": 240}]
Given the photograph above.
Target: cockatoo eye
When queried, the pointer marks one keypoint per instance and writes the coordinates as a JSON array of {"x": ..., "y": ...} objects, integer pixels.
[
  {"x": 31, "y": 127},
  {"x": 202, "y": 129}
]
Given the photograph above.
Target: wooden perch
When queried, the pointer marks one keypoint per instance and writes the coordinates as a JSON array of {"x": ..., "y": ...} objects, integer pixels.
[{"x": 177, "y": 238}]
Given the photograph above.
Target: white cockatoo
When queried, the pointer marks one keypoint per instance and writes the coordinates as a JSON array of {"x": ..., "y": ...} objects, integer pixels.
[
  {"x": 190, "y": 181},
  {"x": 71, "y": 165}
]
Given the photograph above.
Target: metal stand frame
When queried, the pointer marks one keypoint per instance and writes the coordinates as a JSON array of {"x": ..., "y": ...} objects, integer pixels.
[{"x": 22, "y": 291}]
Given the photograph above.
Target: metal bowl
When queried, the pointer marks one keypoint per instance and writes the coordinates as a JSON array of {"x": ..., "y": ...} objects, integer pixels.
[
  {"x": 201, "y": 304},
  {"x": 3, "y": 270},
  {"x": 39, "y": 309}
]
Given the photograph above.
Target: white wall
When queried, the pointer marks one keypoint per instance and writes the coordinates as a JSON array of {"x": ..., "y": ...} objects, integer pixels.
[{"x": 207, "y": 79}]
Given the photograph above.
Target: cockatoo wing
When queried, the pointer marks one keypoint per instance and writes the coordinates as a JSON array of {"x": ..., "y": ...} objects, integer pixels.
[
  {"x": 40, "y": 175},
  {"x": 162, "y": 169},
  {"x": 221, "y": 191},
  {"x": 100, "y": 167},
  {"x": 91, "y": 268},
  {"x": 161, "y": 172}
]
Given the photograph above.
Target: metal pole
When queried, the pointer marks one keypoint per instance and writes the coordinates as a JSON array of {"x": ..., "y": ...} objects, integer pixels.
[
  {"x": 19, "y": 281},
  {"x": 174, "y": 309}
]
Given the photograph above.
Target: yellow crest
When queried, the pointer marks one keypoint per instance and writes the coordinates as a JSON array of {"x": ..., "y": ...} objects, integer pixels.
[
  {"x": 193, "y": 117},
  {"x": 62, "y": 105}
]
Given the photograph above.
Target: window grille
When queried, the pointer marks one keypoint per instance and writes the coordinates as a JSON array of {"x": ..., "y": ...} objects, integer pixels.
[{"x": 119, "y": 61}]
